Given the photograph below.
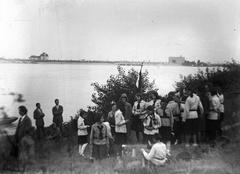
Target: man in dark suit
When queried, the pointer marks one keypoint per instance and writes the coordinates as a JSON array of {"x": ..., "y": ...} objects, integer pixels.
[
  {"x": 57, "y": 111},
  {"x": 24, "y": 124},
  {"x": 38, "y": 116}
]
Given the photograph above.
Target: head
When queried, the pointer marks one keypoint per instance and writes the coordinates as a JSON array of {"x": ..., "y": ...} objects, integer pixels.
[
  {"x": 154, "y": 95},
  {"x": 22, "y": 110},
  {"x": 38, "y": 105},
  {"x": 114, "y": 106},
  {"x": 219, "y": 90},
  {"x": 99, "y": 118},
  {"x": 163, "y": 102},
  {"x": 124, "y": 97},
  {"x": 213, "y": 91},
  {"x": 150, "y": 110},
  {"x": 138, "y": 97},
  {"x": 121, "y": 106},
  {"x": 56, "y": 101},
  {"x": 189, "y": 91},
  {"x": 157, "y": 137},
  {"x": 208, "y": 85},
  {"x": 54, "y": 126}
]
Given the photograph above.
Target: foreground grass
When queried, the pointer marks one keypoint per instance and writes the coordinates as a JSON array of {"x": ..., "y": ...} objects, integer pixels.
[{"x": 63, "y": 157}]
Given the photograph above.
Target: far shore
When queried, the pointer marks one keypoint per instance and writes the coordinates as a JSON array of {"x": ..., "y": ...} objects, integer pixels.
[{"x": 121, "y": 63}]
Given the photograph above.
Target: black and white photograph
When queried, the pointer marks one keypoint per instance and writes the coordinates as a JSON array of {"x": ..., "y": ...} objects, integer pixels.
[{"x": 119, "y": 86}]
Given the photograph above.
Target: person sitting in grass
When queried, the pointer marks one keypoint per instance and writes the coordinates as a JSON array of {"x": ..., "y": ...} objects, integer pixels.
[
  {"x": 158, "y": 152},
  {"x": 55, "y": 133}
]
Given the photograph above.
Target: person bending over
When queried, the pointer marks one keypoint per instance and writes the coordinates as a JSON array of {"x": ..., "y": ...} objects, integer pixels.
[{"x": 158, "y": 152}]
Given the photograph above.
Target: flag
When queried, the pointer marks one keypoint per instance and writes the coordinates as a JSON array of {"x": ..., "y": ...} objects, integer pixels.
[{"x": 139, "y": 80}]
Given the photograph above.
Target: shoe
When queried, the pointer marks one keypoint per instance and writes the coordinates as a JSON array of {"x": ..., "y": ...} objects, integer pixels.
[
  {"x": 195, "y": 145},
  {"x": 187, "y": 145}
]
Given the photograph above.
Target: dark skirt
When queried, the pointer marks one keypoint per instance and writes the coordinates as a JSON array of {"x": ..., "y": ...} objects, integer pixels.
[
  {"x": 165, "y": 132},
  {"x": 137, "y": 124},
  {"x": 191, "y": 126},
  {"x": 212, "y": 125},
  {"x": 120, "y": 138},
  {"x": 82, "y": 139},
  {"x": 99, "y": 151}
]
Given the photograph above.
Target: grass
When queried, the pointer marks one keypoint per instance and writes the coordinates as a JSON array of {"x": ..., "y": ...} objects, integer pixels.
[{"x": 62, "y": 157}]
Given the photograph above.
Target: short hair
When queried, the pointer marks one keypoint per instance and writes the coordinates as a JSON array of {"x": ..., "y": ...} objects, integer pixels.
[
  {"x": 157, "y": 136},
  {"x": 56, "y": 100},
  {"x": 113, "y": 103},
  {"x": 23, "y": 109},
  {"x": 37, "y": 104},
  {"x": 98, "y": 117},
  {"x": 213, "y": 91}
]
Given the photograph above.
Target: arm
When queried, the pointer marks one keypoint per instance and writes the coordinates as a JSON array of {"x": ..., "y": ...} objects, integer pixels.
[
  {"x": 119, "y": 120},
  {"x": 159, "y": 123},
  {"x": 91, "y": 137},
  {"x": 36, "y": 115},
  {"x": 150, "y": 155},
  {"x": 81, "y": 124}
]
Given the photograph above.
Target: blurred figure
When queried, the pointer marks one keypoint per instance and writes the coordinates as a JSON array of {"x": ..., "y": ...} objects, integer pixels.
[
  {"x": 152, "y": 123},
  {"x": 176, "y": 117},
  {"x": 213, "y": 116},
  {"x": 191, "y": 115},
  {"x": 128, "y": 115},
  {"x": 24, "y": 124},
  {"x": 158, "y": 152},
  {"x": 111, "y": 117},
  {"x": 55, "y": 133},
  {"x": 27, "y": 149},
  {"x": 120, "y": 127},
  {"x": 167, "y": 120},
  {"x": 155, "y": 102},
  {"x": 221, "y": 110},
  {"x": 38, "y": 116},
  {"x": 99, "y": 138},
  {"x": 82, "y": 134},
  {"x": 57, "y": 112},
  {"x": 139, "y": 112}
]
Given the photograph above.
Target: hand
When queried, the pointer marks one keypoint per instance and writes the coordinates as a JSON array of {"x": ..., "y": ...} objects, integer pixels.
[
  {"x": 127, "y": 120},
  {"x": 142, "y": 150}
]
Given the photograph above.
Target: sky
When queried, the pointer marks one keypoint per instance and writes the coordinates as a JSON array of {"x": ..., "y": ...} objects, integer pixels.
[{"x": 133, "y": 30}]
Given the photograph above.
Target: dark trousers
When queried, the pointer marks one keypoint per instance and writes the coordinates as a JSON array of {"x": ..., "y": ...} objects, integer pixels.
[
  {"x": 58, "y": 121},
  {"x": 40, "y": 130}
]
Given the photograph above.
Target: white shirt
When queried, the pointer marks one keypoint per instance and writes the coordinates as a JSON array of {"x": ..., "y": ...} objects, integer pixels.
[
  {"x": 157, "y": 154},
  {"x": 221, "y": 99},
  {"x": 191, "y": 106},
  {"x": 82, "y": 128},
  {"x": 214, "y": 106}
]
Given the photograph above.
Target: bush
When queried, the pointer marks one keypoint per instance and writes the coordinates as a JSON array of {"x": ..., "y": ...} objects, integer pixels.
[{"x": 116, "y": 85}]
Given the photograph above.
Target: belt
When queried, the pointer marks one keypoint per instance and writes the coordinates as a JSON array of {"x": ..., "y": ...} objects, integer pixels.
[
  {"x": 193, "y": 110},
  {"x": 159, "y": 158}
]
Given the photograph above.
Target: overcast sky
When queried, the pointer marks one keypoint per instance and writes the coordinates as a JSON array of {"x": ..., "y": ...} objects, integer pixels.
[{"x": 207, "y": 30}]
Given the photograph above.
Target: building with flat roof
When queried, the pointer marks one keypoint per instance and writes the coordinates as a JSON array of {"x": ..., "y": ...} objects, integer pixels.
[{"x": 176, "y": 60}]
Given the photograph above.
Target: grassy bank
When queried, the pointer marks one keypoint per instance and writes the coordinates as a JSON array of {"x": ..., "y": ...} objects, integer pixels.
[{"x": 63, "y": 157}]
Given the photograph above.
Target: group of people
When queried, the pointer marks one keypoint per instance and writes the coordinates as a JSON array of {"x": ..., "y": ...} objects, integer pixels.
[{"x": 179, "y": 117}]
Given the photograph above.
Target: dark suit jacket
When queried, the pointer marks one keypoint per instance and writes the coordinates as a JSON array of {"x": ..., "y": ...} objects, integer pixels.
[
  {"x": 22, "y": 126},
  {"x": 57, "y": 113},
  {"x": 38, "y": 116}
]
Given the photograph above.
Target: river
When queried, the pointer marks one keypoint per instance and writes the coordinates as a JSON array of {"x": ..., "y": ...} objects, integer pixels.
[{"x": 70, "y": 83}]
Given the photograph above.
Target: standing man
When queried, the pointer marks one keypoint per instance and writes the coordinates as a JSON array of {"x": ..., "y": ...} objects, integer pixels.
[
  {"x": 38, "y": 116},
  {"x": 24, "y": 124},
  {"x": 57, "y": 114}
]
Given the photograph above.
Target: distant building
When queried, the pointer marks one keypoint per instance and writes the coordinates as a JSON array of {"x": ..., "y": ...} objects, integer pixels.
[
  {"x": 43, "y": 56},
  {"x": 176, "y": 60}
]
